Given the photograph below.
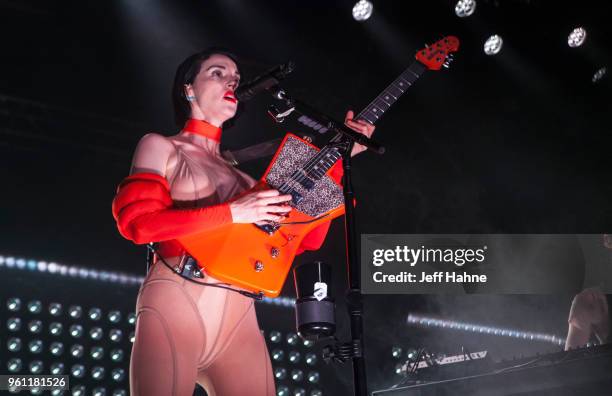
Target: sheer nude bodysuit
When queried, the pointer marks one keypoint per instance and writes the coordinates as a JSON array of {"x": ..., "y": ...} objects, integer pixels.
[{"x": 188, "y": 333}]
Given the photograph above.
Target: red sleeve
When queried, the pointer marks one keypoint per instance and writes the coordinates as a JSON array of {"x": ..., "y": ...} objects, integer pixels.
[
  {"x": 144, "y": 213},
  {"x": 315, "y": 238}
]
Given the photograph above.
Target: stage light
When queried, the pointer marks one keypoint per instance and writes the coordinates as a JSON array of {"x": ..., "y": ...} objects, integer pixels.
[
  {"x": 57, "y": 392},
  {"x": 76, "y": 330},
  {"x": 282, "y": 391},
  {"x": 75, "y": 311},
  {"x": 465, "y": 8},
  {"x": 55, "y": 328},
  {"x": 95, "y": 314},
  {"x": 13, "y": 304},
  {"x": 278, "y": 355},
  {"x": 14, "y": 365},
  {"x": 56, "y": 348},
  {"x": 292, "y": 339},
  {"x": 599, "y": 74},
  {"x": 97, "y": 353},
  {"x": 79, "y": 390},
  {"x": 452, "y": 325},
  {"x": 398, "y": 368},
  {"x": 313, "y": 377},
  {"x": 13, "y": 324},
  {"x": 280, "y": 373},
  {"x": 116, "y": 355},
  {"x": 132, "y": 318},
  {"x": 115, "y": 335},
  {"x": 294, "y": 357},
  {"x": 308, "y": 343},
  {"x": 35, "y": 307},
  {"x": 55, "y": 309},
  {"x": 362, "y": 10},
  {"x": 132, "y": 337},
  {"x": 576, "y": 37},
  {"x": 99, "y": 392},
  {"x": 35, "y": 346},
  {"x": 14, "y": 344},
  {"x": 114, "y": 316},
  {"x": 20, "y": 263},
  {"x": 36, "y": 367},
  {"x": 493, "y": 45},
  {"x": 299, "y": 392},
  {"x": 396, "y": 352},
  {"x": 119, "y": 392},
  {"x": 36, "y": 391},
  {"x": 77, "y": 351},
  {"x": 311, "y": 359},
  {"x": 297, "y": 375},
  {"x": 97, "y": 372},
  {"x": 118, "y": 374},
  {"x": 35, "y": 326},
  {"x": 57, "y": 368},
  {"x": 275, "y": 336},
  {"x": 77, "y": 371},
  {"x": 412, "y": 354},
  {"x": 316, "y": 392},
  {"x": 96, "y": 333}
]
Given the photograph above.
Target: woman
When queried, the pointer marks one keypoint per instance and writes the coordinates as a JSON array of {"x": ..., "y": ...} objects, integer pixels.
[{"x": 180, "y": 185}]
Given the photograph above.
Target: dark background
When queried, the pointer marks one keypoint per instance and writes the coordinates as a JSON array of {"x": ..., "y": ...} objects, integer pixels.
[{"x": 513, "y": 143}]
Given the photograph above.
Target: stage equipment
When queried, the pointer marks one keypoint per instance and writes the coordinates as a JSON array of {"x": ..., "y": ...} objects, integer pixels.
[
  {"x": 583, "y": 371},
  {"x": 263, "y": 82},
  {"x": 362, "y": 10},
  {"x": 493, "y": 45},
  {"x": 314, "y": 307},
  {"x": 424, "y": 321}
]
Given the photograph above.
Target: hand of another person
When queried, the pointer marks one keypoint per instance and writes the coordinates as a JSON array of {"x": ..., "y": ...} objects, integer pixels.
[
  {"x": 260, "y": 206},
  {"x": 361, "y": 126}
]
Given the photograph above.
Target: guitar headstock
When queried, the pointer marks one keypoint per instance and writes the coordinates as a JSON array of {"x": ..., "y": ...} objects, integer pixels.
[{"x": 439, "y": 53}]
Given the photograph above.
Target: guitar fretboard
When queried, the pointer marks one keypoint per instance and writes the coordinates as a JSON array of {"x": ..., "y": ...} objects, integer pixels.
[
  {"x": 392, "y": 93},
  {"x": 317, "y": 166}
]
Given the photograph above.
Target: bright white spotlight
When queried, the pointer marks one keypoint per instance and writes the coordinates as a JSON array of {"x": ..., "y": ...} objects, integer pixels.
[
  {"x": 493, "y": 45},
  {"x": 576, "y": 37},
  {"x": 599, "y": 74},
  {"x": 362, "y": 10},
  {"x": 465, "y": 8}
]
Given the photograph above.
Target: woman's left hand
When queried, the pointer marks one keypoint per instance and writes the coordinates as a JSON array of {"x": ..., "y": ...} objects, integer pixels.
[{"x": 361, "y": 126}]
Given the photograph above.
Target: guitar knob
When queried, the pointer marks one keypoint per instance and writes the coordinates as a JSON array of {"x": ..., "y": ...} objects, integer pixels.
[
  {"x": 259, "y": 266},
  {"x": 274, "y": 252}
]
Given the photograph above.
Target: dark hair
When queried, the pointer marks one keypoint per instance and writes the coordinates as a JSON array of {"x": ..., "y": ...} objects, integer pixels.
[{"x": 186, "y": 74}]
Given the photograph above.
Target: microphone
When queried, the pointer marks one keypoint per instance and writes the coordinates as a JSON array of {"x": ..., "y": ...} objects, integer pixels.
[{"x": 263, "y": 82}]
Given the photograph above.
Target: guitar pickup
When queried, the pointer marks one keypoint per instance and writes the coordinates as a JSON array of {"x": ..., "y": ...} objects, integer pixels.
[
  {"x": 307, "y": 183},
  {"x": 296, "y": 197}
]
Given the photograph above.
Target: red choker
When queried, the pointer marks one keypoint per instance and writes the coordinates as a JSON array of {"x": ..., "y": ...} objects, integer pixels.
[{"x": 203, "y": 128}]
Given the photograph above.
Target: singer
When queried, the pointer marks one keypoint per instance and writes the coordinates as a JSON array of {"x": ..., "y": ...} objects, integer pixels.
[{"x": 179, "y": 185}]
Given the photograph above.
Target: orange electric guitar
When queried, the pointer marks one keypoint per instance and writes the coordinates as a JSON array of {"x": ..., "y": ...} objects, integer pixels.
[{"x": 258, "y": 258}]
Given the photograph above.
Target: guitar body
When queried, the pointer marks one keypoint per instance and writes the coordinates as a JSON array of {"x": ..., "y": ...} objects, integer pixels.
[{"x": 246, "y": 256}]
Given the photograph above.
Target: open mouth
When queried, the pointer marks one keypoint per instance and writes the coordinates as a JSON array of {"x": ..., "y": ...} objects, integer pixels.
[{"x": 229, "y": 96}]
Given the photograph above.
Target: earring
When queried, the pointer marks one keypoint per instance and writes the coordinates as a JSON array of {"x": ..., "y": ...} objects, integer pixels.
[{"x": 191, "y": 98}]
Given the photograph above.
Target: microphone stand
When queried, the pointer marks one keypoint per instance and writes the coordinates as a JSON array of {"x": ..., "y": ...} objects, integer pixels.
[{"x": 354, "y": 349}]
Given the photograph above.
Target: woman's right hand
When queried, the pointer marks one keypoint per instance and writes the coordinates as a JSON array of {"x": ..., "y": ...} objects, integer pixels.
[{"x": 260, "y": 206}]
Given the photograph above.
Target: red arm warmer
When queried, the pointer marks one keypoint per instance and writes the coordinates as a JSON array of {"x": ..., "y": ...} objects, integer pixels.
[
  {"x": 315, "y": 238},
  {"x": 143, "y": 211}
]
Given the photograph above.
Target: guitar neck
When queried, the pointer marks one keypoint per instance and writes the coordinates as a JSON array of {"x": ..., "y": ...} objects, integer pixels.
[
  {"x": 392, "y": 93},
  {"x": 317, "y": 166}
]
